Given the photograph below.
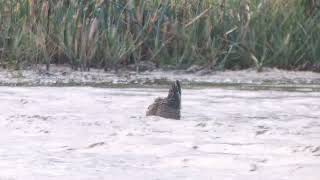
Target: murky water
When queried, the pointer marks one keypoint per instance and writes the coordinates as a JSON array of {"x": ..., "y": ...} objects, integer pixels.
[{"x": 96, "y": 133}]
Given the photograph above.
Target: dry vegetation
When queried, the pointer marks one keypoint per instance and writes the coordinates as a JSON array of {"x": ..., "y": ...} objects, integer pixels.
[{"x": 108, "y": 34}]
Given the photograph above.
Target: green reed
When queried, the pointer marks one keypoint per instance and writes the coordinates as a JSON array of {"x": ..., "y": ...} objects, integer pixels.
[{"x": 109, "y": 34}]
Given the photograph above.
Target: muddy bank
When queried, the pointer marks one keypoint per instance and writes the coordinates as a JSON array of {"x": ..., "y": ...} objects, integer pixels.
[{"x": 64, "y": 76}]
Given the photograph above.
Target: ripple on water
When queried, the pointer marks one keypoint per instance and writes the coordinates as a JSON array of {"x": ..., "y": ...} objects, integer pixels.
[{"x": 96, "y": 133}]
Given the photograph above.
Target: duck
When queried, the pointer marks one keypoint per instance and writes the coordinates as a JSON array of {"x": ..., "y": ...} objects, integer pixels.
[{"x": 168, "y": 107}]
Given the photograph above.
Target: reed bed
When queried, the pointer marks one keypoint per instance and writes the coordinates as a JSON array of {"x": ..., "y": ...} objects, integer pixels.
[{"x": 110, "y": 34}]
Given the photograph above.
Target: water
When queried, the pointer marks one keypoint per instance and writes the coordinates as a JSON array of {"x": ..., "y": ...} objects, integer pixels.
[{"x": 96, "y": 133}]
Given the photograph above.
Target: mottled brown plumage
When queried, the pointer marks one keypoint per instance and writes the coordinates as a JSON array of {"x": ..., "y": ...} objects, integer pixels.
[{"x": 168, "y": 107}]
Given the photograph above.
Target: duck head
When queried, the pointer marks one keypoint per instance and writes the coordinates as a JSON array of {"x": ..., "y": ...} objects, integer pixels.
[{"x": 174, "y": 95}]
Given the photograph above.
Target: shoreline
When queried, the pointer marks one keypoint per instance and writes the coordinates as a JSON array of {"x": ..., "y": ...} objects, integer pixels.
[{"x": 249, "y": 78}]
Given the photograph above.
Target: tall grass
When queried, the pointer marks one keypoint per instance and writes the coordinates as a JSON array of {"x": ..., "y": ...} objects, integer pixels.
[{"x": 219, "y": 34}]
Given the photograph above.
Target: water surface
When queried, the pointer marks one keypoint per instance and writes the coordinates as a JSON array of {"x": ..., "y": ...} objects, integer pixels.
[{"x": 97, "y": 133}]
